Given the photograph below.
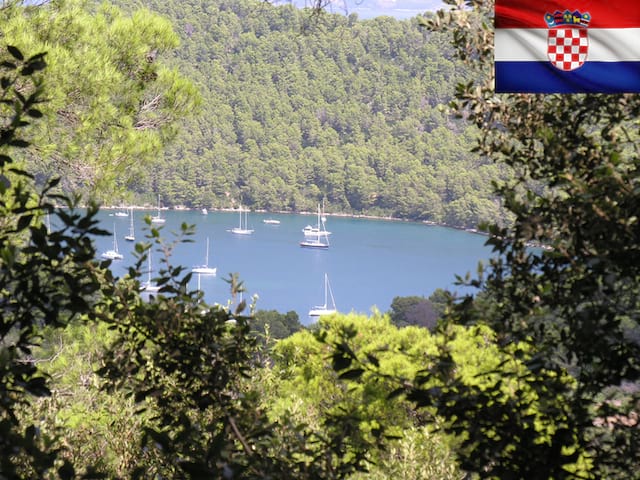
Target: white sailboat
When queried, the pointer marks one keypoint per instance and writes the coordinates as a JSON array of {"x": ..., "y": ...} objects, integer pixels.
[
  {"x": 158, "y": 218},
  {"x": 328, "y": 307},
  {"x": 132, "y": 236},
  {"x": 316, "y": 240},
  {"x": 113, "y": 254},
  {"x": 148, "y": 286},
  {"x": 205, "y": 269},
  {"x": 242, "y": 228}
]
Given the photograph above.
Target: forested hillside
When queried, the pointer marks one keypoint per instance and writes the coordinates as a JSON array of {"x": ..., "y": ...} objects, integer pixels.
[
  {"x": 537, "y": 376},
  {"x": 348, "y": 110}
]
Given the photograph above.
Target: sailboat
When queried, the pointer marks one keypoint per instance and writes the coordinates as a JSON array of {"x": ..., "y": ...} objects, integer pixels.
[
  {"x": 326, "y": 309},
  {"x": 316, "y": 242},
  {"x": 242, "y": 229},
  {"x": 205, "y": 269},
  {"x": 113, "y": 254},
  {"x": 132, "y": 236},
  {"x": 148, "y": 286},
  {"x": 158, "y": 218}
]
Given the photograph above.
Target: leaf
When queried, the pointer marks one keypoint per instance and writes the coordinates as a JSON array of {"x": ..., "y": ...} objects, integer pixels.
[
  {"x": 373, "y": 359},
  {"x": 19, "y": 143},
  {"x": 160, "y": 438},
  {"x": 17, "y": 54},
  {"x": 351, "y": 374},
  {"x": 34, "y": 113},
  {"x": 340, "y": 362},
  {"x": 21, "y": 172},
  {"x": 24, "y": 221},
  {"x": 38, "y": 56},
  {"x": 53, "y": 183},
  {"x": 66, "y": 471},
  {"x": 38, "y": 386},
  {"x": 38, "y": 65},
  {"x": 396, "y": 393}
]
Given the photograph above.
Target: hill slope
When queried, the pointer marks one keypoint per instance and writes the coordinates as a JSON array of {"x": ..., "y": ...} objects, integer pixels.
[{"x": 349, "y": 110}]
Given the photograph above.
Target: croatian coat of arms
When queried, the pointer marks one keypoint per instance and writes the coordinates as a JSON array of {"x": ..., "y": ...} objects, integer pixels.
[{"x": 567, "y": 39}]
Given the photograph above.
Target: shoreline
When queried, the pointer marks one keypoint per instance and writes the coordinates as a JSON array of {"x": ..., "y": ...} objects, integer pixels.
[{"x": 339, "y": 215}]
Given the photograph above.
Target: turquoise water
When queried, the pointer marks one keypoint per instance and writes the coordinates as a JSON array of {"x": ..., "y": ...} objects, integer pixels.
[{"x": 369, "y": 262}]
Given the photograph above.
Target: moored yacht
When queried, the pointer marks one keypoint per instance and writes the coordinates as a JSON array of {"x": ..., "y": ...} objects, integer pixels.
[
  {"x": 113, "y": 254},
  {"x": 158, "y": 218},
  {"x": 243, "y": 227},
  {"x": 329, "y": 305},
  {"x": 205, "y": 269}
]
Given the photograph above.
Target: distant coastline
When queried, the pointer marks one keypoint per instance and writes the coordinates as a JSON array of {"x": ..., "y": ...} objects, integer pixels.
[{"x": 340, "y": 215}]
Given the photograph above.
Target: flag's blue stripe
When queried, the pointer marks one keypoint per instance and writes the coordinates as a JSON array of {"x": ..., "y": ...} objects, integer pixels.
[{"x": 592, "y": 77}]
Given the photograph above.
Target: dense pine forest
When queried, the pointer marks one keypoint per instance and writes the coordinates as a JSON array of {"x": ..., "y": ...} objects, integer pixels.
[
  {"x": 346, "y": 110},
  {"x": 294, "y": 111}
]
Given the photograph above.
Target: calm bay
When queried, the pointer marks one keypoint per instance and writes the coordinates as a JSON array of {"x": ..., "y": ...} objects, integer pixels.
[{"x": 368, "y": 263}]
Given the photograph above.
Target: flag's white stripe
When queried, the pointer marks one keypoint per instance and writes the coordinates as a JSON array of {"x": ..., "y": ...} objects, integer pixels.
[{"x": 530, "y": 45}]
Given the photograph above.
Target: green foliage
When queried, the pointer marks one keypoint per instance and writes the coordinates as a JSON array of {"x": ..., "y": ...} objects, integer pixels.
[
  {"x": 418, "y": 454},
  {"x": 100, "y": 430},
  {"x": 413, "y": 311},
  {"x": 536, "y": 377},
  {"x": 420, "y": 311},
  {"x": 111, "y": 102},
  {"x": 573, "y": 303},
  {"x": 185, "y": 362},
  {"x": 271, "y": 325},
  {"x": 177, "y": 400},
  {"x": 45, "y": 279},
  {"x": 474, "y": 388},
  {"x": 190, "y": 368},
  {"x": 307, "y": 390}
]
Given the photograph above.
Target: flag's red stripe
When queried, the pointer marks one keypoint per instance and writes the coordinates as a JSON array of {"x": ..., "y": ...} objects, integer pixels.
[{"x": 604, "y": 13}]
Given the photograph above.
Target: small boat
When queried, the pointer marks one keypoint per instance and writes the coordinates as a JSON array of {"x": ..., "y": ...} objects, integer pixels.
[
  {"x": 205, "y": 269},
  {"x": 148, "y": 286},
  {"x": 113, "y": 254},
  {"x": 158, "y": 218},
  {"x": 327, "y": 308},
  {"x": 271, "y": 221},
  {"x": 121, "y": 214},
  {"x": 318, "y": 234},
  {"x": 242, "y": 228},
  {"x": 132, "y": 236},
  {"x": 204, "y": 211}
]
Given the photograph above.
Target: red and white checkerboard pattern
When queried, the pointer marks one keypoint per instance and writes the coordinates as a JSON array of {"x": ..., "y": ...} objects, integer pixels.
[{"x": 567, "y": 47}]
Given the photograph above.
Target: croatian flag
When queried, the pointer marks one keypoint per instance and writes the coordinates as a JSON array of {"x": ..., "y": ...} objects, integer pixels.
[{"x": 567, "y": 46}]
